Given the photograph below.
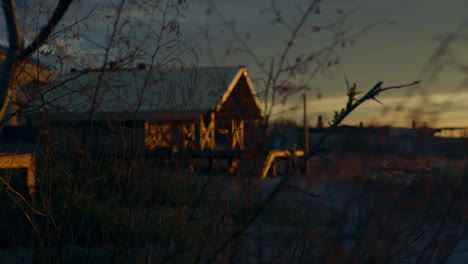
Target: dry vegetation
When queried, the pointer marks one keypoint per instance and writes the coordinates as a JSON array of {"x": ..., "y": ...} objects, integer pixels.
[
  {"x": 116, "y": 208},
  {"x": 146, "y": 213}
]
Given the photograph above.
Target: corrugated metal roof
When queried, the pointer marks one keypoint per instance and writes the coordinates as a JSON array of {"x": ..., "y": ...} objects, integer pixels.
[{"x": 141, "y": 94}]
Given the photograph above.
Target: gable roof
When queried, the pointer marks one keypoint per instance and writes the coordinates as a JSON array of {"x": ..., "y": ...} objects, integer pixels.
[
  {"x": 31, "y": 70},
  {"x": 143, "y": 94},
  {"x": 4, "y": 51}
]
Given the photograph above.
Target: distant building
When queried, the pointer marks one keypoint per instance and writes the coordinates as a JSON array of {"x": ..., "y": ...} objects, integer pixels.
[{"x": 388, "y": 140}]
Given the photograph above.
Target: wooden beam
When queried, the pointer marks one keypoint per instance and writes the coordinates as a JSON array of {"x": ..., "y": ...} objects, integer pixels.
[
  {"x": 21, "y": 161},
  {"x": 188, "y": 135},
  {"x": 237, "y": 138},
  {"x": 278, "y": 153},
  {"x": 207, "y": 133},
  {"x": 157, "y": 135}
]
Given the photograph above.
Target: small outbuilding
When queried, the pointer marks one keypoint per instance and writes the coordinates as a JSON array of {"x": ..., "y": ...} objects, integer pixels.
[{"x": 16, "y": 144}]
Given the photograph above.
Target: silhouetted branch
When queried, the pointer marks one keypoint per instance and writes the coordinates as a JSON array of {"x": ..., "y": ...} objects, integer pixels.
[
  {"x": 47, "y": 30},
  {"x": 372, "y": 93},
  {"x": 16, "y": 54}
]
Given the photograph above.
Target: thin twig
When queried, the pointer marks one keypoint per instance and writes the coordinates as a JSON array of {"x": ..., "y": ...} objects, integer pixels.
[
  {"x": 372, "y": 93},
  {"x": 301, "y": 190}
]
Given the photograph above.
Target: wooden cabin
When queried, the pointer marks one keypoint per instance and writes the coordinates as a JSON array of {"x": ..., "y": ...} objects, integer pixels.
[
  {"x": 16, "y": 144},
  {"x": 141, "y": 110},
  {"x": 32, "y": 77}
]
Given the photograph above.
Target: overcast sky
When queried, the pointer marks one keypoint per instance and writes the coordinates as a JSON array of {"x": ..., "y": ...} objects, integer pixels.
[
  {"x": 395, "y": 53},
  {"x": 407, "y": 33}
]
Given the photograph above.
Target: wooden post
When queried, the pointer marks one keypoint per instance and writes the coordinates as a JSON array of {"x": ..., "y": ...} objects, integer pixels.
[
  {"x": 237, "y": 134},
  {"x": 188, "y": 135},
  {"x": 306, "y": 134},
  {"x": 212, "y": 131},
  {"x": 14, "y": 105},
  {"x": 207, "y": 133}
]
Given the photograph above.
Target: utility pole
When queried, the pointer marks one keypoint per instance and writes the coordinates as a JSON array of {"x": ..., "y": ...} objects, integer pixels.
[{"x": 306, "y": 134}]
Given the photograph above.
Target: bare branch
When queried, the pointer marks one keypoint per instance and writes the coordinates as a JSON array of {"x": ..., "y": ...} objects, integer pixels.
[
  {"x": 47, "y": 30},
  {"x": 14, "y": 32},
  {"x": 399, "y": 86},
  {"x": 313, "y": 151},
  {"x": 301, "y": 190},
  {"x": 16, "y": 54}
]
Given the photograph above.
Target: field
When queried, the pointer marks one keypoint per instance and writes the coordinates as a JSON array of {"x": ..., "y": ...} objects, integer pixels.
[{"x": 353, "y": 209}]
